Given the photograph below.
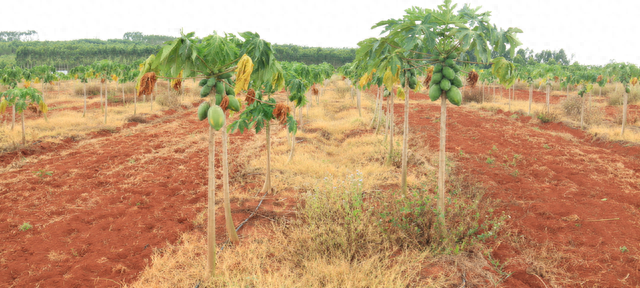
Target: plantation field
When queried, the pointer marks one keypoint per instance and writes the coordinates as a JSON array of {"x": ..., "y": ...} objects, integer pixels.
[{"x": 547, "y": 205}]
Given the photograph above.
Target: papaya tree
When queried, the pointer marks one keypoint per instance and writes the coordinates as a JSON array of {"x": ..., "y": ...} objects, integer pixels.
[
  {"x": 20, "y": 99},
  {"x": 215, "y": 58},
  {"x": 10, "y": 77},
  {"x": 81, "y": 73},
  {"x": 438, "y": 36}
]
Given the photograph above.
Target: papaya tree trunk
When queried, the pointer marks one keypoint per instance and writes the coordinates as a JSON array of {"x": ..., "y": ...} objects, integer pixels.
[
  {"x": 391, "y": 128},
  {"x": 375, "y": 111},
  {"x": 509, "y": 94},
  {"x": 231, "y": 229},
  {"x": 101, "y": 107},
  {"x": 24, "y": 138},
  {"x": 581, "y": 112},
  {"x": 135, "y": 101},
  {"x": 84, "y": 112},
  {"x": 379, "y": 111},
  {"x": 482, "y": 86},
  {"x": 105, "y": 105},
  {"x": 405, "y": 135},
  {"x": 359, "y": 108},
  {"x": 624, "y": 112},
  {"x": 155, "y": 91},
  {"x": 123, "y": 94},
  {"x": 548, "y": 104},
  {"x": 442, "y": 158},
  {"x": 388, "y": 119},
  {"x": 211, "y": 205},
  {"x": 293, "y": 146},
  {"x": 530, "y": 97},
  {"x": 267, "y": 181},
  {"x": 13, "y": 112}
]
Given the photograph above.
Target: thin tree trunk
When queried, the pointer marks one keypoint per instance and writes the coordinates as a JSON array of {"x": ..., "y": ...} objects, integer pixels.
[
  {"x": 84, "y": 112},
  {"x": 405, "y": 136},
  {"x": 211, "y": 202},
  {"x": 482, "y": 86},
  {"x": 101, "y": 108},
  {"x": 530, "y": 97},
  {"x": 442, "y": 159},
  {"x": 155, "y": 91},
  {"x": 624, "y": 112},
  {"x": 548, "y": 104},
  {"x": 231, "y": 229},
  {"x": 13, "y": 112},
  {"x": 24, "y": 138},
  {"x": 581, "y": 112},
  {"x": 379, "y": 109},
  {"x": 509, "y": 92},
  {"x": 135, "y": 101},
  {"x": 123, "y": 94},
  {"x": 105, "y": 105},
  {"x": 391, "y": 128},
  {"x": 267, "y": 181},
  {"x": 359, "y": 108},
  {"x": 293, "y": 147}
]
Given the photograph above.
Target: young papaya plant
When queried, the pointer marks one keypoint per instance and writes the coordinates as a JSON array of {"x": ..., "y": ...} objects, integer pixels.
[
  {"x": 10, "y": 77},
  {"x": 215, "y": 58},
  {"x": 439, "y": 36},
  {"x": 20, "y": 99}
]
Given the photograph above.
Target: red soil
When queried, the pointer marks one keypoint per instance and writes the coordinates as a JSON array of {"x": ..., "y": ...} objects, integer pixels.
[
  {"x": 575, "y": 175},
  {"x": 98, "y": 218}
]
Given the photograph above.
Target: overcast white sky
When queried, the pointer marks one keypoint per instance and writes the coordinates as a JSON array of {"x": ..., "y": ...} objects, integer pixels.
[{"x": 595, "y": 31}]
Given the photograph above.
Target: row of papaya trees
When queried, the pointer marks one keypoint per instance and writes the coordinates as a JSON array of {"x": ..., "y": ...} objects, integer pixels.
[
  {"x": 226, "y": 67},
  {"x": 435, "y": 43}
]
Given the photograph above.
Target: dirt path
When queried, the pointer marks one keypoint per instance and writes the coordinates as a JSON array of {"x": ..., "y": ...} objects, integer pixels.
[
  {"x": 552, "y": 183},
  {"x": 111, "y": 200}
]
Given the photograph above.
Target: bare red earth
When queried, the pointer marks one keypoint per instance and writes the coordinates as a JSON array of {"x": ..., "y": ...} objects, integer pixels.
[
  {"x": 559, "y": 172},
  {"x": 98, "y": 218}
]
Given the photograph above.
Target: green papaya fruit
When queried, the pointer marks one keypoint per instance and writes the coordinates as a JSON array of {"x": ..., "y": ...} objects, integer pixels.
[
  {"x": 627, "y": 90},
  {"x": 225, "y": 76},
  {"x": 455, "y": 68},
  {"x": 234, "y": 104},
  {"x": 435, "y": 92},
  {"x": 202, "y": 110},
  {"x": 448, "y": 73},
  {"x": 413, "y": 82},
  {"x": 220, "y": 87},
  {"x": 216, "y": 118},
  {"x": 437, "y": 68},
  {"x": 449, "y": 63},
  {"x": 454, "y": 96},
  {"x": 218, "y": 99},
  {"x": 229, "y": 90},
  {"x": 204, "y": 92},
  {"x": 203, "y": 82},
  {"x": 402, "y": 82},
  {"x": 436, "y": 78},
  {"x": 445, "y": 84},
  {"x": 453, "y": 55},
  {"x": 457, "y": 82}
]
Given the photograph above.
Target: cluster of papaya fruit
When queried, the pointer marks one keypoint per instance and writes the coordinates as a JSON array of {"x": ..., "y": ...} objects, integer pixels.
[
  {"x": 445, "y": 79},
  {"x": 225, "y": 99},
  {"x": 413, "y": 80}
]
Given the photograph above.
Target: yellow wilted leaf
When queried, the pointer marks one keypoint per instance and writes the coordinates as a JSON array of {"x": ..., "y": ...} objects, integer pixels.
[
  {"x": 114, "y": 77},
  {"x": 3, "y": 106},
  {"x": 401, "y": 93},
  {"x": 43, "y": 107},
  {"x": 419, "y": 86},
  {"x": 387, "y": 79},
  {"x": 634, "y": 81},
  {"x": 365, "y": 79},
  {"x": 245, "y": 68},
  {"x": 27, "y": 84},
  {"x": 36, "y": 81}
]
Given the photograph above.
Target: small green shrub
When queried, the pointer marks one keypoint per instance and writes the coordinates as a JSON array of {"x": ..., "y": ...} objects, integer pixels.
[
  {"x": 546, "y": 117},
  {"x": 26, "y": 226}
]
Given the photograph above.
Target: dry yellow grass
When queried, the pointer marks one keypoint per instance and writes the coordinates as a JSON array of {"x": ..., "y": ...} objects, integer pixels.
[
  {"x": 66, "y": 123},
  {"x": 329, "y": 153}
]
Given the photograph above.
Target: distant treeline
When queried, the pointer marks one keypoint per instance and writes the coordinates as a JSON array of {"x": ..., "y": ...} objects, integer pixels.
[
  {"x": 314, "y": 55},
  {"x": 16, "y": 49}
]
